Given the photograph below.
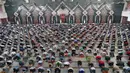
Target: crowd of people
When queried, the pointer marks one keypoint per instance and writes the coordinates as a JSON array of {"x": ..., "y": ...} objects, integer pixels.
[{"x": 68, "y": 48}]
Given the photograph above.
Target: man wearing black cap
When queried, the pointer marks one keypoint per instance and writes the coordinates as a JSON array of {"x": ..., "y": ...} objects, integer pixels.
[
  {"x": 70, "y": 70},
  {"x": 16, "y": 69},
  {"x": 57, "y": 70},
  {"x": 79, "y": 63},
  {"x": 73, "y": 52},
  {"x": 32, "y": 69}
]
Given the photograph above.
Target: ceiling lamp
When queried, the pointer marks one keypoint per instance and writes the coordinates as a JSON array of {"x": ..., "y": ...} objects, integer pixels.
[
  {"x": 26, "y": 1},
  {"x": 53, "y": 0},
  {"x": 98, "y": 0},
  {"x": 72, "y": 0}
]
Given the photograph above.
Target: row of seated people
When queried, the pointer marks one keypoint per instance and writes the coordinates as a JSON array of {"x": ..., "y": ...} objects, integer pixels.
[{"x": 39, "y": 46}]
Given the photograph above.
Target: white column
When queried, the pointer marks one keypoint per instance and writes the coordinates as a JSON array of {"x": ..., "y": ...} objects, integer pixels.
[{"x": 3, "y": 14}]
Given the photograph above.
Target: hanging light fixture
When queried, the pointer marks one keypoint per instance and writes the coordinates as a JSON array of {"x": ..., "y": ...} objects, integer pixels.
[
  {"x": 53, "y": 0},
  {"x": 98, "y": 0},
  {"x": 71, "y": 0},
  {"x": 26, "y": 1}
]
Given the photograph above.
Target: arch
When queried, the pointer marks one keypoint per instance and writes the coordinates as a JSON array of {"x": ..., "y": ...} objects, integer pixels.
[
  {"x": 62, "y": 11},
  {"x": 78, "y": 14},
  {"x": 91, "y": 13},
  {"x": 17, "y": 20},
  {"x": 48, "y": 13},
  {"x": 104, "y": 15},
  {"x": 110, "y": 19},
  {"x": 54, "y": 19},
  {"x": 84, "y": 19},
  {"x": 98, "y": 19},
  {"x": 111, "y": 16},
  {"x": 22, "y": 13},
  {"x": 35, "y": 13},
  {"x": 62, "y": 4},
  {"x": 78, "y": 9},
  {"x": 104, "y": 12},
  {"x": 41, "y": 19},
  {"x": 29, "y": 18},
  {"x": 71, "y": 19}
]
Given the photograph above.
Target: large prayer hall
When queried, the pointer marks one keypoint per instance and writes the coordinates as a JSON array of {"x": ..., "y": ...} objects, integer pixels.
[{"x": 64, "y": 36}]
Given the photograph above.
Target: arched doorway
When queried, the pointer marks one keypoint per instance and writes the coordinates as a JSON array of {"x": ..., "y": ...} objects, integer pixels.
[
  {"x": 23, "y": 14},
  {"x": 110, "y": 19},
  {"x": 97, "y": 19},
  {"x": 78, "y": 13},
  {"x": 48, "y": 13},
  {"x": 35, "y": 13},
  {"x": 62, "y": 13},
  {"x": 91, "y": 14},
  {"x": 54, "y": 19},
  {"x": 41, "y": 19},
  {"x": 84, "y": 19},
  {"x": 71, "y": 19},
  {"x": 104, "y": 15},
  {"x": 17, "y": 20}
]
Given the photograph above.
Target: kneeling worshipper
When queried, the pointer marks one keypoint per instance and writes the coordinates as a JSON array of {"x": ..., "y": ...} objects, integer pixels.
[{"x": 70, "y": 70}]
